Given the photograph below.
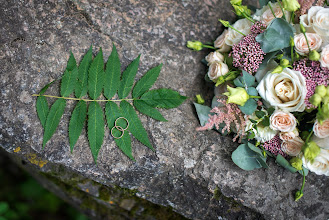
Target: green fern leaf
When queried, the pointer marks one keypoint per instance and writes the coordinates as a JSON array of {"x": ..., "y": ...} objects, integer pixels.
[
  {"x": 163, "y": 98},
  {"x": 54, "y": 116},
  {"x": 135, "y": 125},
  {"x": 42, "y": 109},
  {"x": 68, "y": 82},
  {"x": 77, "y": 122},
  {"x": 96, "y": 76},
  {"x": 81, "y": 87},
  {"x": 44, "y": 89},
  {"x": 146, "y": 82},
  {"x": 112, "y": 74},
  {"x": 95, "y": 128},
  {"x": 128, "y": 77},
  {"x": 71, "y": 63},
  {"x": 112, "y": 113},
  {"x": 145, "y": 109}
]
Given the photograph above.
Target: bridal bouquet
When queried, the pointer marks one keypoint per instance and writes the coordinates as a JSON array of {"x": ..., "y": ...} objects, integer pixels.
[{"x": 271, "y": 72}]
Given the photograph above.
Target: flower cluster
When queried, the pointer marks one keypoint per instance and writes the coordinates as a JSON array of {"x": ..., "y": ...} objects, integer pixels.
[{"x": 271, "y": 70}]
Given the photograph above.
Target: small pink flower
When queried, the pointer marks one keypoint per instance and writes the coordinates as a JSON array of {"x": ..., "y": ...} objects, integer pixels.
[
  {"x": 282, "y": 121},
  {"x": 321, "y": 130},
  {"x": 292, "y": 147}
]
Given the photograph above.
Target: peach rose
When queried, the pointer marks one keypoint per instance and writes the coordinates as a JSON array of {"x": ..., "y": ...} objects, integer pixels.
[
  {"x": 268, "y": 16},
  {"x": 217, "y": 69},
  {"x": 314, "y": 41},
  {"x": 214, "y": 57},
  {"x": 292, "y": 147},
  {"x": 285, "y": 136},
  {"x": 282, "y": 121},
  {"x": 321, "y": 130},
  {"x": 220, "y": 42},
  {"x": 324, "y": 59}
]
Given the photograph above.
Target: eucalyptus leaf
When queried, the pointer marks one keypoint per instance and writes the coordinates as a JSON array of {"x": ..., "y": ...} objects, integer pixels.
[
  {"x": 249, "y": 107},
  {"x": 255, "y": 149},
  {"x": 306, "y": 171},
  {"x": 237, "y": 82},
  {"x": 203, "y": 113},
  {"x": 248, "y": 79},
  {"x": 252, "y": 91},
  {"x": 245, "y": 158}
]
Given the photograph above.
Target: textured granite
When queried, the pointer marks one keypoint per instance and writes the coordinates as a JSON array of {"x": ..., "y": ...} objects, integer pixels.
[{"x": 191, "y": 172}]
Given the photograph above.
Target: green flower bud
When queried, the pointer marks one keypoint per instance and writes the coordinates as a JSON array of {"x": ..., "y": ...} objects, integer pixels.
[
  {"x": 236, "y": 2},
  {"x": 291, "y": 5},
  {"x": 194, "y": 45},
  {"x": 220, "y": 81},
  {"x": 314, "y": 55},
  {"x": 241, "y": 10},
  {"x": 237, "y": 95},
  {"x": 296, "y": 163},
  {"x": 225, "y": 23},
  {"x": 277, "y": 69},
  {"x": 323, "y": 113},
  {"x": 302, "y": 28},
  {"x": 321, "y": 90},
  {"x": 298, "y": 195},
  {"x": 279, "y": 56},
  {"x": 311, "y": 150},
  {"x": 199, "y": 99},
  {"x": 297, "y": 56},
  {"x": 325, "y": 99},
  {"x": 284, "y": 62},
  {"x": 292, "y": 42},
  {"x": 315, "y": 100},
  {"x": 327, "y": 90}
]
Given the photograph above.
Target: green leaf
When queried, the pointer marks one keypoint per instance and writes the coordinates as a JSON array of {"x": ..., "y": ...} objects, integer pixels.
[
  {"x": 260, "y": 114},
  {"x": 96, "y": 76},
  {"x": 54, "y": 116},
  {"x": 255, "y": 149},
  {"x": 305, "y": 171},
  {"x": 42, "y": 109},
  {"x": 77, "y": 122},
  {"x": 112, "y": 113},
  {"x": 283, "y": 162},
  {"x": 146, "y": 82},
  {"x": 95, "y": 128},
  {"x": 203, "y": 113},
  {"x": 145, "y": 109},
  {"x": 270, "y": 110},
  {"x": 252, "y": 91},
  {"x": 44, "y": 89},
  {"x": 81, "y": 87},
  {"x": 276, "y": 36},
  {"x": 71, "y": 63},
  {"x": 163, "y": 98},
  {"x": 249, "y": 107},
  {"x": 112, "y": 74},
  {"x": 68, "y": 82},
  {"x": 237, "y": 82},
  {"x": 248, "y": 79},
  {"x": 128, "y": 77},
  {"x": 135, "y": 125},
  {"x": 4, "y": 207},
  {"x": 266, "y": 121},
  {"x": 245, "y": 158}
]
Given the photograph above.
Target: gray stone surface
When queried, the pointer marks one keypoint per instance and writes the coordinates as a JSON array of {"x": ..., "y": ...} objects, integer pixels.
[{"x": 190, "y": 171}]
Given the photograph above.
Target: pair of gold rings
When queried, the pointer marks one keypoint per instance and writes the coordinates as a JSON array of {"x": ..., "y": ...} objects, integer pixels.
[{"x": 119, "y": 128}]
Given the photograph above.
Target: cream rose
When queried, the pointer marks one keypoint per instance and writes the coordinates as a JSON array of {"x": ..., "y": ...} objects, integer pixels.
[
  {"x": 220, "y": 42},
  {"x": 321, "y": 142},
  {"x": 268, "y": 16},
  {"x": 324, "y": 59},
  {"x": 217, "y": 69},
  {"x": 321, "y": 130},
  {"x": 233, "y": 37},
  {"x": 320, "y": 166},
  {"x": 285, "y": 136},
  {"x": 307, "y": 20},
  {"x": 292, "y": 147},
  {"x": 282, "y": 121},
  {"x": 301, "y": 46},
  {"x": 214, "y": 57},
  {"x": 285, "y": 90}
]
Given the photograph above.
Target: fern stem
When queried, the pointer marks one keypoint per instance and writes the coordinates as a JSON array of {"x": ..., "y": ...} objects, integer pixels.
[{"x": 86, "y": 100}]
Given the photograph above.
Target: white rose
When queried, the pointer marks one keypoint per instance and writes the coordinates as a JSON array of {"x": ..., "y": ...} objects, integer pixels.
[
  {"x": 214, "y": 57},
  {"x": 216, "y": 70},
  {"x": 320, "y": 166},
  {"x": 324, "y": 59},
  {"x": 220, "y": 42},
  {"x": 233, "y": 37},
  {"x": 285, "y": 90},
  {"x": 321, "y": 142},
  {"x": 314, "y": 40},
  {"x": 317, "y": 21}
]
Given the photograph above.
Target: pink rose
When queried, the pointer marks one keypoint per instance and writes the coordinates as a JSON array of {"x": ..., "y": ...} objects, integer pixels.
[
  {"x": 321, "y": 130},
  {"x": 324, "y": 59},
  {"x": 314, "y": 41},
  {"x": 285, "y": 136},
  {"x": 282, "y": 121},
  {"x": 292, "y": 147}
]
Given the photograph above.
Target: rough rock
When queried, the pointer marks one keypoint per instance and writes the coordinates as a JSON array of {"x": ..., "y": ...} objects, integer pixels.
[{"x": 190, "y": 172}]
